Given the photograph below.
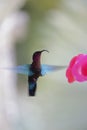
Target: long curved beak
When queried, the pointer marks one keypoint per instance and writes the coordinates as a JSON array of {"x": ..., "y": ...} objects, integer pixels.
[{"x": 44, "y": 50}]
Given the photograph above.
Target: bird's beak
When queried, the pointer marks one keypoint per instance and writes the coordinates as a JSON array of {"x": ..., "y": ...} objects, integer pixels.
[{"x": 44, "y": 50}]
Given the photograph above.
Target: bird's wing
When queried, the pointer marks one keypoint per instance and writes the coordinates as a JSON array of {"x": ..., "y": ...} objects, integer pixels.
[
  {"x": 32, "y": 85},
  {"x": 21, "y": 69},
  {"x": 50, "y": 68}
]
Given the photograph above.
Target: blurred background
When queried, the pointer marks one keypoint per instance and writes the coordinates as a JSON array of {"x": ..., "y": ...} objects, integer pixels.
[{"x": 26, "y": 26}]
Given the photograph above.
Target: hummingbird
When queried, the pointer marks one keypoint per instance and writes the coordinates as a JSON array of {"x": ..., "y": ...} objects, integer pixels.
[{"x": 35, "y": 70}]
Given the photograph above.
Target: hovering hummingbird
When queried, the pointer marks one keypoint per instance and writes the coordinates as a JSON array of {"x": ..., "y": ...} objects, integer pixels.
[{"x": 35, "y": 70}]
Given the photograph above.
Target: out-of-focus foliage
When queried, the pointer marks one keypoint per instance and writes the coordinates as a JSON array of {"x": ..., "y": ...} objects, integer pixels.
[{"x": 39, "y": 6}]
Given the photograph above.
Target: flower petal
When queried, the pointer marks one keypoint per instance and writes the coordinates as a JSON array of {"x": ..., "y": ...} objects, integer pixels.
[
  {"x": 79, "y": 69},
  {"x": 69, "y": 76}
]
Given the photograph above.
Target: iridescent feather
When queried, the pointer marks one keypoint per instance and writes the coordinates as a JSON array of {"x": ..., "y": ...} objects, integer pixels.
[{"x": 25, "y": 69}]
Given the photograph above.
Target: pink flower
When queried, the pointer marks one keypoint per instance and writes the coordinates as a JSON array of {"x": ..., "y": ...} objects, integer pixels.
[{"x": 77, "y": 69}]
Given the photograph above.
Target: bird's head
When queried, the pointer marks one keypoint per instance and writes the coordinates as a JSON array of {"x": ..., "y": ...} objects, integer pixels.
[{"x": 37, "y": 54}]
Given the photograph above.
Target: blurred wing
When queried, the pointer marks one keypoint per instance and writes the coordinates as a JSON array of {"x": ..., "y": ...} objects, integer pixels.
[
  {"x": 32, "y": 85},
  {"x": 22, "y": 69},
  {"x": 50, "y": 68}
]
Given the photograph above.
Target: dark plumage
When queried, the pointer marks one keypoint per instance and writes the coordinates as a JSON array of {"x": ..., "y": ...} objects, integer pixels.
[{"x": 36, "y": 69}]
